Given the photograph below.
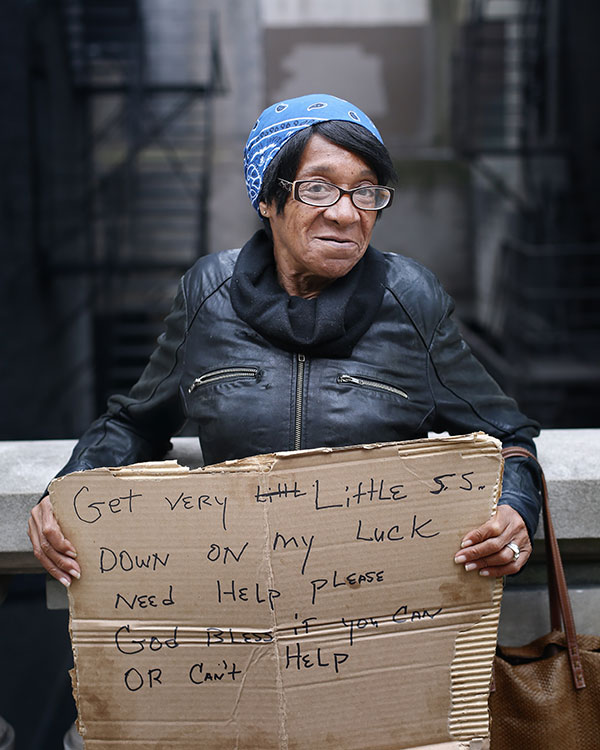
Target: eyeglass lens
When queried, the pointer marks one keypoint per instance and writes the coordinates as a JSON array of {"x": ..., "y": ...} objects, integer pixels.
[{"x": 370, "y": 197}]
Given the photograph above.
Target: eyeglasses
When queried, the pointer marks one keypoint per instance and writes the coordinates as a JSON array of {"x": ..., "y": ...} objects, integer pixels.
[{"x": 323, "y": 194}]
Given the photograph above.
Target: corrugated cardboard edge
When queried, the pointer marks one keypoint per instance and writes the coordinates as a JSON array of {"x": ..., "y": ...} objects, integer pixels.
[
  {"x": 74, "y": 673},
  {"x": 268, "y": 462},
  {"x": 471, "y": 672},
  {"x": 477, "y": 744},
  {"x": 471, "y": 668}
]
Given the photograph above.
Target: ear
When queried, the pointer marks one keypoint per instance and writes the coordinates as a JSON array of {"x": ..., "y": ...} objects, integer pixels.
[{"x": 264, "y": 209}]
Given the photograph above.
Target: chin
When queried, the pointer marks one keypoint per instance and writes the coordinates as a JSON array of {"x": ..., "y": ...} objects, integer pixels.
[{"x": 338, "y": 268}]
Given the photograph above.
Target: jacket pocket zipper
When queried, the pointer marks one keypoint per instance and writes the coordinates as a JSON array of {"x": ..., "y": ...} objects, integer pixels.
[
  {"x": 368, "y": 383},
  {"x": 225, "y": 373},
  {"x": 300, "y": 362}
]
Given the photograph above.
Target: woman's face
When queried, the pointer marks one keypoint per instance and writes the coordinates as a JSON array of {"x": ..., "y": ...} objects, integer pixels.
[{"x": 313, "y": 246}]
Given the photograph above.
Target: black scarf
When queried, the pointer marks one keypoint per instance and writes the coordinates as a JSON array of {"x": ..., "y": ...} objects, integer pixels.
[{"x": 328, "y": 325}]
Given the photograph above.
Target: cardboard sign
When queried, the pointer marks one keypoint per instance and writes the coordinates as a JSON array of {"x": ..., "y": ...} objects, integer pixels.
[{"x": 289, "y": 601}]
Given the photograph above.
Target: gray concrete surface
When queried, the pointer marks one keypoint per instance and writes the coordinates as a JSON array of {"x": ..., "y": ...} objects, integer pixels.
[{"x": 525, "y": 613}]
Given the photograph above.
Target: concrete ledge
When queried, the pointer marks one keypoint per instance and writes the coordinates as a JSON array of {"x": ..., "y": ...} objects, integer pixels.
[
  {"x": 572, "y": 466},
  {"x": 569, "y": 457},
  {"x": 26, "y": 468},
  {"x": 525, "y": 613}
]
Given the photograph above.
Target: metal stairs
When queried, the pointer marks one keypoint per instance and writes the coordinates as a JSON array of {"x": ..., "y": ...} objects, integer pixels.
[
  {"x": 146, "y": 134},
  {"x": 512, "y": 94}
]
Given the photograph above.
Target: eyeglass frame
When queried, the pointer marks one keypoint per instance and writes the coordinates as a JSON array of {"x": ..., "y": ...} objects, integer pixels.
[{"x": 293, "y": 187}]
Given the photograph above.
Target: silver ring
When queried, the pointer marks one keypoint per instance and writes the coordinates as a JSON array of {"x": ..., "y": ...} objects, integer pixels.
[{"x": 515, "y": 550}]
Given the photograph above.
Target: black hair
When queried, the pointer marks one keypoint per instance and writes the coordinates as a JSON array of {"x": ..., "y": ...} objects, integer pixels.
[{"x": 347, "y": 135}]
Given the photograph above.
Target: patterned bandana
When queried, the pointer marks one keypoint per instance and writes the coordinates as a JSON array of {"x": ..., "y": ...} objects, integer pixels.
[{"x": 278, "y": 123}]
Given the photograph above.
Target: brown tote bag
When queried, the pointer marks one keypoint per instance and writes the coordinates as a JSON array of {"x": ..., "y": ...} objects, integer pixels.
[{"x": 546, "y": 694}]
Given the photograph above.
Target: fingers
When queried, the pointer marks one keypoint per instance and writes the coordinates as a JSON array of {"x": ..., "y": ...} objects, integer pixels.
[
  {"x": 52, "y": 530},
  {"x": 484, "y": 549},
  {"x": 52, "y": 549}
]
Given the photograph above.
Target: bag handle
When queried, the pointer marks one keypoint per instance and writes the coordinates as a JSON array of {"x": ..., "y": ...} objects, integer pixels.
[
  {"x": 560, "y": 603},
  {"x": 556, "y": 618}
]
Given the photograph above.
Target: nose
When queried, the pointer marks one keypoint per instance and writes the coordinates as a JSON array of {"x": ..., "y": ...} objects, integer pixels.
[{"x": 343, "y": 212}]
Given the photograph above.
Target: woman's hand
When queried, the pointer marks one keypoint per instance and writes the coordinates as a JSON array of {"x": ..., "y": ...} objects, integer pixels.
[
  {"x": 52, "y": 549},
  {"x": 485, "y": 548}
]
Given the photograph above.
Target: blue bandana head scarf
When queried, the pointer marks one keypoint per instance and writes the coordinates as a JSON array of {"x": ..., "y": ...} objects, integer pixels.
[{"x": 278, "y": 123}]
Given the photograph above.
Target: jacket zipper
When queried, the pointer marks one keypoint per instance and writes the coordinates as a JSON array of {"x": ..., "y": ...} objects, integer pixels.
[
  {"x": 225, "y": 373},
  {"x": 368, "y": 383},
  {"x": 300, "y": 362}
]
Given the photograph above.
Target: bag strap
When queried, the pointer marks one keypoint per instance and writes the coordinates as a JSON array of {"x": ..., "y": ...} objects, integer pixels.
[{"x": 560, "y": 603}]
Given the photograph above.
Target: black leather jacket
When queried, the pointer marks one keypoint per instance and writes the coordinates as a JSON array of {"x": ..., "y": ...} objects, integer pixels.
[{"x": 411, "y": 373}]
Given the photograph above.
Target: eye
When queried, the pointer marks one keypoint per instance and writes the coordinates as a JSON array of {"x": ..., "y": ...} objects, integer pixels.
[
  {"x": 366, "y": 196},
  {"x": 372, "y": 197},
  {"x": 314, "y": 188},
  {"x": 317, "y": 191}
]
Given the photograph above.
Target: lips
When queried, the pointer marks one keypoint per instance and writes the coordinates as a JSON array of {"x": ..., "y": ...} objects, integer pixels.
[{"x": 338, "y": 240}]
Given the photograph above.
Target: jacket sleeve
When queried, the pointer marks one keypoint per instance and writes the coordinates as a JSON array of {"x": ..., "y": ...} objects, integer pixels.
[
  {"x": 468, "y": 399},
  {"x": 138, "y": 427}
]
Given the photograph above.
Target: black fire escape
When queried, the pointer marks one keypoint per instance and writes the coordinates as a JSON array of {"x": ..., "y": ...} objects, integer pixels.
[
  {"x": 517, "y": 112},
  {"x": 139, "y": 184}
]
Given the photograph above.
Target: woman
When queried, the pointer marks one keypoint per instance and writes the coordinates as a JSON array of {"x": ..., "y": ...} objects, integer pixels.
[{"x": 310, "y": 337}]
